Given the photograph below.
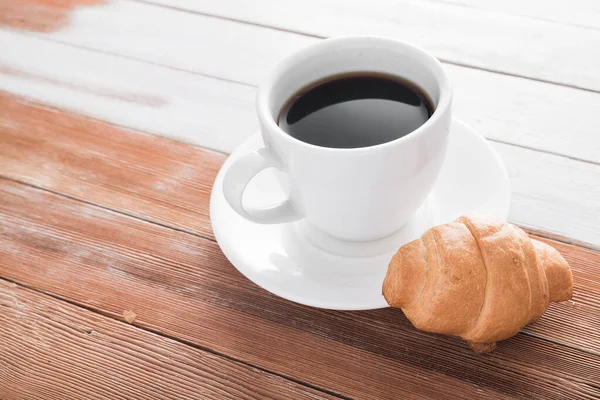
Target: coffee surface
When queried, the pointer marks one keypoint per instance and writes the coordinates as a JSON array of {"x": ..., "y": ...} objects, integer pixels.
[{"x": 358, "y": 110}]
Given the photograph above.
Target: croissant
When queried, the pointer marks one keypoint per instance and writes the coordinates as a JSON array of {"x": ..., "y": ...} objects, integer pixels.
[{"x": 479, "y": 278}]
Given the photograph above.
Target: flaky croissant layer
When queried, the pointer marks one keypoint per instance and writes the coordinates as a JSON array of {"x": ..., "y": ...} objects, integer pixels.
[{"x": 479, "y": 278}]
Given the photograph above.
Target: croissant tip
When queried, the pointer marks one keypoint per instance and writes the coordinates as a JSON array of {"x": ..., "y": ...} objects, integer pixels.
[{"x": 482, "y": 348}]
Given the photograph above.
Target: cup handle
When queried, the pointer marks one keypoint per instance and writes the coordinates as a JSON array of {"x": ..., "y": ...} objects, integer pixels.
[{"x": 240, "y": 173}]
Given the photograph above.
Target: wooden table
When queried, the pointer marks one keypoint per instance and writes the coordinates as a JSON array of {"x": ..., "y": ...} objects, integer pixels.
[{"x": 111, "y": 282}]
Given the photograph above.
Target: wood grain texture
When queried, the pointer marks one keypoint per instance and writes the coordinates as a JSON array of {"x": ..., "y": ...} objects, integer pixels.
[
  {"x": 39, "y": 15},
  {"x": 167, "y": 182},
  {"x": 182, "y": 286},
  {"x": 461, "y": 35},
  {"x": 50, "y": 349},
  {"x": 218, "y": 114}
]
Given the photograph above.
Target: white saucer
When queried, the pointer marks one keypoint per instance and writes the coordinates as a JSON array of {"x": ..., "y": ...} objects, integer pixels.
[{"x": 304, "y": 265}]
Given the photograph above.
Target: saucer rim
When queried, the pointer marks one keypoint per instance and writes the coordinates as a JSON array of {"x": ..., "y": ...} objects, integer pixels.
[{"x": 235, "y": 260}]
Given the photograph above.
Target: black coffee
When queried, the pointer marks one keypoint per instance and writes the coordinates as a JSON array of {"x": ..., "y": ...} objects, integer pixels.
[{"x": 355, "y": 110}]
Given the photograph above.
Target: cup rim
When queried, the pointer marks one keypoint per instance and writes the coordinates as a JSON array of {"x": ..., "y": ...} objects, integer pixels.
[{"x": 265, "y": 90}]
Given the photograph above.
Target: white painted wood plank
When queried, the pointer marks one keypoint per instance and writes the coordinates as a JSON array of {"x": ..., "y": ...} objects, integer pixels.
[
  {"x": 555, "y": 194},
  {"x": 527, "y": 113},
  {"x": 182, "y": 40},
  {"x": 583, "y": 13},
  {"x": 513, "y": 110},
  {"x": 186, "y": 106},
  {"x": 524, "y": 46},
  {"x": 550, "y": 193}
]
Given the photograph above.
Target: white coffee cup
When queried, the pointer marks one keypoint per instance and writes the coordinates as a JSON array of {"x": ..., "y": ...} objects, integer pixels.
[{"x": 357, "y": 194}]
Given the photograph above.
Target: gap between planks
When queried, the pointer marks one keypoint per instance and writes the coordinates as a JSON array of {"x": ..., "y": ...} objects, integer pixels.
[
  {"x": 317, "y": 36},
  {"x": 530, "y": 231},
  {"x": 134, "y": 327},
  {"x": 578, "y": 13},
  {"x": 522, "y": 46}
]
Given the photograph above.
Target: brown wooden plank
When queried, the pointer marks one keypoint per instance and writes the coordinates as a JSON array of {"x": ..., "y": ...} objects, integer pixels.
[
  {"x": 181, "y": 285},
  {"x": 169, "y": 183},
  {"x": 50, "y": 349},
  {"x": 142, "y": 175},
  {"x": 570, "y": 319}
]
